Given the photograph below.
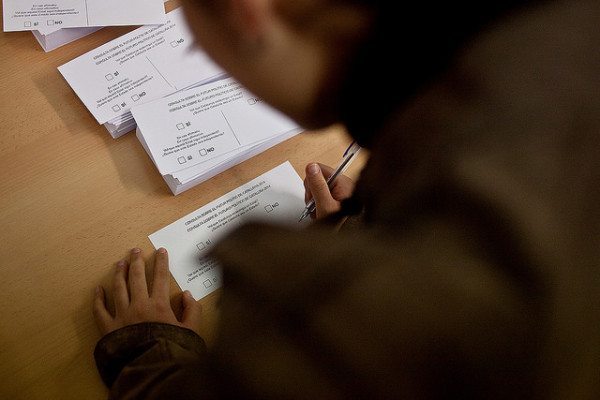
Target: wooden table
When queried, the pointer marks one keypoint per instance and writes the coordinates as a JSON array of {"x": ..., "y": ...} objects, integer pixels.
[{"x": 72, "y": 202}]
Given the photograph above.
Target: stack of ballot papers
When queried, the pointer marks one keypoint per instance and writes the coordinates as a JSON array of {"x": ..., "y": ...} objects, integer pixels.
[
  {"x": 276, "y": 197},
  {"x": 30, "y": 15},
  {"x": 52, "y": 37},
  {"x": 146, "y": 64},
  {"x": 195, "y": 134}
]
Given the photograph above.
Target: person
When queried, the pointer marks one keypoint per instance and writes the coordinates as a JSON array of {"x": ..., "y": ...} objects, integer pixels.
[{"x": 470, "y": 266}]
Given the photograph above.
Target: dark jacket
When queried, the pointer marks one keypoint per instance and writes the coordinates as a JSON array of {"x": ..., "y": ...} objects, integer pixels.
[{"x": 475, "y": 272}]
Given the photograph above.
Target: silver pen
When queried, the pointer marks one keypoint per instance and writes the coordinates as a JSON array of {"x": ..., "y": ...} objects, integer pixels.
[{"x": 347, "y": 158}]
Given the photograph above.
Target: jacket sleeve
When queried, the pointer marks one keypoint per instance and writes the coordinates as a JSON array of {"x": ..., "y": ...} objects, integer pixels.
[
  {"x": 324, "y": 315},
  {"x": 153, "y": 360},
  {"x": 369, "y": 314}
]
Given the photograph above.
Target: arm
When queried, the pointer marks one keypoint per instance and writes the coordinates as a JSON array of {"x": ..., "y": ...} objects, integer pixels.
[
  {"x": 368, "y": 314},
  {"x": 146, "y": 351}
]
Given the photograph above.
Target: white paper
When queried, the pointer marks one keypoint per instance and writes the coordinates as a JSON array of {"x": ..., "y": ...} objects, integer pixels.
[
  {"x": 201, "y": 124},
  {"x": 188, "y": 178},
  {"x": 276, "y": 197},
  {"x": 27, "y": 15},
  {"x": 141, "y": 66},
  {"x": 51, "y": 39}
]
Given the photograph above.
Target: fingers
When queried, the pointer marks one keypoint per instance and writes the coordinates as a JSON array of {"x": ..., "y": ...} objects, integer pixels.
[
  {"x": 160, "y": 282},
  {"x": 192, "y": 311},
  {"x": 317, "y": 185},
  {"x": 326, "y": 170},
  {"x": 120, "y": 286},
  {"x": 101, "y": 315},
  {"x": 137, "y": 275}
]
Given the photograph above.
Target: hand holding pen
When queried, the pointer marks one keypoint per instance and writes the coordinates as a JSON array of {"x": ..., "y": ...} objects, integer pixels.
[{"x": 326, "y": 187}]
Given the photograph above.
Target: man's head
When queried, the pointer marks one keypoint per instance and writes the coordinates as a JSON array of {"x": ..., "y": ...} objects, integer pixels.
[
  {"x": 296, "y": 53},
  {"x": 287, "y": 52}
]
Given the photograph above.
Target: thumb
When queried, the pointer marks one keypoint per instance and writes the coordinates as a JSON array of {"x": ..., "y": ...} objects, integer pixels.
[
  {"x": 192, "y": 310},
  {"x": 317, "y": 185}
]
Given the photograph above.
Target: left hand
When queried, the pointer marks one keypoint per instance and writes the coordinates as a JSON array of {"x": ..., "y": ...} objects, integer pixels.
[{"x": 134, "y": 303}]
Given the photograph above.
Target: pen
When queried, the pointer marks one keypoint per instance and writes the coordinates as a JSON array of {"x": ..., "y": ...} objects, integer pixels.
[{"x": 347, "y": 158}]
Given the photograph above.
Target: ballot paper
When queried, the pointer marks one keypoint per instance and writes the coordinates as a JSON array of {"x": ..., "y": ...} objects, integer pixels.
[
  {"x": 190, "y": 177},
  {"x": 275, "y": 197},
  {"x": 52, "y": 37},
  {"x": 194, "y": 134},
  {"x": 27, "y": 15},
  {"x": 143, "y": 65}
]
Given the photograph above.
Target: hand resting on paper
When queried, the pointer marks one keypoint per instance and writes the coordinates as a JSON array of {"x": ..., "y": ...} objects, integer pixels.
[
  {"x": 134, "y": 302},
  {"x": 327, "y": 201}
]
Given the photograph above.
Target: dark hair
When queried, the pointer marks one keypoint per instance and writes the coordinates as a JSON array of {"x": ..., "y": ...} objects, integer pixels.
[{"x": 425, "y": 37}]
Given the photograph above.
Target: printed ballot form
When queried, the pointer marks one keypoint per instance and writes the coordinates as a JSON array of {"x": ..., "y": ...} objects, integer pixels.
[
  {"x": 276, "y": 197},
  {"x": 27, "y": 15},
  {"x": 204, "y": 123},
  {"x": 145, "y": 64}
]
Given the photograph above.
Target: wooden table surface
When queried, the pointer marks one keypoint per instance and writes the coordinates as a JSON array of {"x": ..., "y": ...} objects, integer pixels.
[{"x": 72, "y": 202}]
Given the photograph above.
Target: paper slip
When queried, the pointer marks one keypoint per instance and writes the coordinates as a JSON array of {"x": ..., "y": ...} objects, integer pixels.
[
  {"x": 51, "y": 39},
  {"x": 276, "y": 197},
  {"x": 200, "y": 124},
  {"x": 27, "y": 15},
  {"x": 187, "y": 179},
  {"x": 143, "y": 65}
]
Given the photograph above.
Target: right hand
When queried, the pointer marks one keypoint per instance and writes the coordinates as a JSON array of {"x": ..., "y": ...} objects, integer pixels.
[{"x": 315, "y": 184}]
